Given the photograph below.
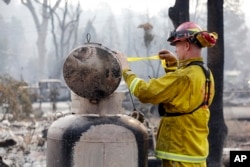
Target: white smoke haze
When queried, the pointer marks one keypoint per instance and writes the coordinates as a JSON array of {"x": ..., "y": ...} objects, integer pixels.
[{"x": 112, "y": 23}]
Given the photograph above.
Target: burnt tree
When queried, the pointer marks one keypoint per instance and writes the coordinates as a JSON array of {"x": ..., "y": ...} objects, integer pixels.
[
  {"x": 217, "y": 126},
  {"x": 179, "y": 13}
]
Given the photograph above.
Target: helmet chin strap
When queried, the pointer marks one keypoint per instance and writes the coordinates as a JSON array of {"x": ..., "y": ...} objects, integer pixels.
[{"x": 194, "y": 40}]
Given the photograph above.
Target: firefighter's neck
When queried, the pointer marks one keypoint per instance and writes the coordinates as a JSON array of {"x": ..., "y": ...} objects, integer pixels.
[{"x": 192, "y": 52}]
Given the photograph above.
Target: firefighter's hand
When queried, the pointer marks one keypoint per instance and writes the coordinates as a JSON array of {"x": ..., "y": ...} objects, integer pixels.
[
  {"x": 123, "y": 60},
  {"x": 169, "y": 57}
]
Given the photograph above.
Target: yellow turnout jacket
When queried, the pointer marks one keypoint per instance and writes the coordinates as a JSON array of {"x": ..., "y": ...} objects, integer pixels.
[{"x": 179, "y": 138}]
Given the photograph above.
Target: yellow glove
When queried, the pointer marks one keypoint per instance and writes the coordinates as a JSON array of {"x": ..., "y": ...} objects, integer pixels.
[{"x": 169, "y": 60}]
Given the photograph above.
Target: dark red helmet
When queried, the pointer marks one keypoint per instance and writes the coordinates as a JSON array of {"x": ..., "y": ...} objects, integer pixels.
[{"x": 184, "y": 31}]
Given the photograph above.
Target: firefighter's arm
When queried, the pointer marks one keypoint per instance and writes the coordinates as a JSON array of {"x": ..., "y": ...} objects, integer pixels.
[
  {"x": 169, "y": 60},
  {"x": 146, "y": 92}
]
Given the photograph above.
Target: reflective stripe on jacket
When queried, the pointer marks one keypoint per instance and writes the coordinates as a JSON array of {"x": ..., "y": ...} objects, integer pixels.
[
  {"x": 180, "y": 138},
  {"x": 178, "y": 157}
]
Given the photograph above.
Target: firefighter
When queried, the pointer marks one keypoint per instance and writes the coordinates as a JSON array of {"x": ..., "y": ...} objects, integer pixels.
[{"x": 185, "y": 92}]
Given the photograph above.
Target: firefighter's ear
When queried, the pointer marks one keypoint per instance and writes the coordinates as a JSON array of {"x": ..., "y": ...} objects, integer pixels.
[{"x": 187, "y": 45}]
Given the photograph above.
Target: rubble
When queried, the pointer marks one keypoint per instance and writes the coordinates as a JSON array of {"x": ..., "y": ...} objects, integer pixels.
[{"x": 23, "y": 143}]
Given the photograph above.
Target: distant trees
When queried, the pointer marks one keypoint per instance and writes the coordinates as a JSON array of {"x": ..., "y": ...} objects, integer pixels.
[
  {"x": 3, "y": 51},
  {"x": 148, "y": 38},
  {"x": 41, "y": 23},
  {"x": 235, "y": 36},
  {"x": 64, "y": 29},
  {"x": 11, "y": 45},
  {"x": 110, "y": 36},
  {"x": 89, "y": 29}
]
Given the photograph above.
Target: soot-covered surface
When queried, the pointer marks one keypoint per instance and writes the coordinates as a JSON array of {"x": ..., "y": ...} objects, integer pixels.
[{"x": 92, "y": 72}]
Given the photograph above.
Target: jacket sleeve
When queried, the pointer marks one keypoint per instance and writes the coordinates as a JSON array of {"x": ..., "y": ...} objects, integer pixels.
[{"x": 155, "y": 91}]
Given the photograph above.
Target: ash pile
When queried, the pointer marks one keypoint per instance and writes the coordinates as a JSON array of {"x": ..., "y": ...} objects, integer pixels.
[{"x": 23, "y": 142}]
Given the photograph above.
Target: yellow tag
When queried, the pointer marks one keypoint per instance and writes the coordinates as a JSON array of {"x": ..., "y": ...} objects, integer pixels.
[
  {"x": 131, "y": 59},
  {"x": 155, "y": 57}
]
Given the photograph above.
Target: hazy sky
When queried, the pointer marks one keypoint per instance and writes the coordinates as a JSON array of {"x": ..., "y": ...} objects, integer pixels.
[
  {"x": 137, "y": 5},
  {"x": 153, "y": 6},
  {"x": 141, "y": 6},
  {"x": 245, "y": 8}
]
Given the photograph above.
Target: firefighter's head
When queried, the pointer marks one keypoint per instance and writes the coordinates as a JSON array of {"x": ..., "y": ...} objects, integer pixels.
[{"x": 193, "y": 33}]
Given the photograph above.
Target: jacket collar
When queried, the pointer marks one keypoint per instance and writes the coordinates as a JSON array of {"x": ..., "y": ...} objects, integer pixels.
[{"x": 185, "y": 63}]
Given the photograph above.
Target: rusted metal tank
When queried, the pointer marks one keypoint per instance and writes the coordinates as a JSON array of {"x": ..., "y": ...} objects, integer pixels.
[
  {"x": 92, "y": 71},
  {"x": 98, "y": 134}
]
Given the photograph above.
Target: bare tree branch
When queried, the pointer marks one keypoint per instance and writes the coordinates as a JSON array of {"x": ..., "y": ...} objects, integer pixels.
[
  {"x": 30, "y": 6},
  {"x": 53, "y": 33},
  {"x": 56, "y": 5}
]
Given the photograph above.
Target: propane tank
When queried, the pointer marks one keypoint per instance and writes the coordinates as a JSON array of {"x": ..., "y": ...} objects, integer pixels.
[{"x": 97, "y": 133}]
